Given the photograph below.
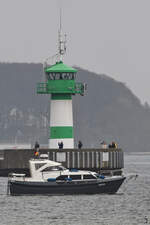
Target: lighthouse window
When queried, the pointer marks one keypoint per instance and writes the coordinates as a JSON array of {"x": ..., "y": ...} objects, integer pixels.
[
  {"x": 72, "y": 76},
  {"x": 65, "y": 76},
  {"x": 51, "y": 76},
  {"x": 60, "y": 76}
]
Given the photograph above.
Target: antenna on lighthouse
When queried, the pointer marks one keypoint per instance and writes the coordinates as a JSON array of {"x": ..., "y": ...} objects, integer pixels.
[{"x": 61, "y": 40}]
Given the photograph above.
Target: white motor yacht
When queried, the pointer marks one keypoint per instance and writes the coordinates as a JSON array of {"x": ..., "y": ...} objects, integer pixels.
[{"x": 51, "y": 178}]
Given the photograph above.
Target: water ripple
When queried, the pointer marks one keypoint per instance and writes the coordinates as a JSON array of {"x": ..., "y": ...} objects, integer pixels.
[{"x": 129, "y": 206}]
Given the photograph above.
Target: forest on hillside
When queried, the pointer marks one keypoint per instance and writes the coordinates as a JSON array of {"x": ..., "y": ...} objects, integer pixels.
[{"x": 109, "y": 110}]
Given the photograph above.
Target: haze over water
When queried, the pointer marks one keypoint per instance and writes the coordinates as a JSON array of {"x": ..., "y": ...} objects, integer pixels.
[{"x": 129, "y": 206}]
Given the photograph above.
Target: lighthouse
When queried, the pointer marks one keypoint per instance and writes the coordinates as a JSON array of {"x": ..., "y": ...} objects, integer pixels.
[{"x": 61, "y": 85}]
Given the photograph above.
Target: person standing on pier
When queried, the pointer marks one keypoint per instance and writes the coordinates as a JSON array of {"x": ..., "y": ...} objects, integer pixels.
[
  {"x": 60, "y": 145},
  {"x": 37, "y": 148},
  {"x": 104, "y": 144},
  {"x": 80, "y": 144}
]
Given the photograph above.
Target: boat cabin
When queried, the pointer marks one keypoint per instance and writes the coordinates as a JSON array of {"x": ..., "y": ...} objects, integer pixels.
[{"x": 43, "y": 168}]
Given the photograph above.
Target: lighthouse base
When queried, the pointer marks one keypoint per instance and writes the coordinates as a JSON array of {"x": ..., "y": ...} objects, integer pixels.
[{"x": 67, "y": 143}]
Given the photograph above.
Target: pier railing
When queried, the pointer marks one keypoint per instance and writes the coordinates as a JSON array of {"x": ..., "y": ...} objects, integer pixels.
[{"x": 87, "y": 159}]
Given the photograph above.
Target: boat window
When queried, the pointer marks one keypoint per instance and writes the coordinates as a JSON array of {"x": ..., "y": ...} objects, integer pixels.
[
  {"x": 53, "y": 168},
  {"x": 89, "y": 176},
  {"x": 97, "y": 175},
  {"x": 75, "y": 177},
  {"x": 117, "y": 173},
  {"x": 39, "y": 165},
  {"x": 62, "y": 177}
]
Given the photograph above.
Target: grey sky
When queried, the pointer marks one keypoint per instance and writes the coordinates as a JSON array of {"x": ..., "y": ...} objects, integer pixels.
[{"x": 104, "y": 36}]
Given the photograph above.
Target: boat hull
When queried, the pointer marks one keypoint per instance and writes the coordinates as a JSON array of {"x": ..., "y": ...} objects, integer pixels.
[{"x": 109, "y": 186}]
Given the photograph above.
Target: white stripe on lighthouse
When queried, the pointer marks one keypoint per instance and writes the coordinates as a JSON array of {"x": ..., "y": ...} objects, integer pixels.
[{"x": 61, "y": 113}]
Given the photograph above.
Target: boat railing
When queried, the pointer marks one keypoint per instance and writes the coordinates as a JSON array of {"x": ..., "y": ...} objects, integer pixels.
[{"x": 20, "y": 176}]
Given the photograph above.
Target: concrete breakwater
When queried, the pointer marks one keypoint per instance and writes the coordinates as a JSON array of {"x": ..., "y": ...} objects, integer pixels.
[{"x": 104, "y": 160}]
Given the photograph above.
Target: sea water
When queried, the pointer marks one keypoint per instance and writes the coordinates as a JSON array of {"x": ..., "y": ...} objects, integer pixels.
[{"x": 131, "y": 205}]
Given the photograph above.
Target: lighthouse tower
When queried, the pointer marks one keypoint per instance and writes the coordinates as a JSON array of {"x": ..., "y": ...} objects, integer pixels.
[{"x": 61, "y": 85}]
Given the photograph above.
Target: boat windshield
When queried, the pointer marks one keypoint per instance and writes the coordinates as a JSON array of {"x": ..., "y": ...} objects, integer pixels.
[
  {"x": 39, "y": 165},
  {"x": 53, "y": 168}
]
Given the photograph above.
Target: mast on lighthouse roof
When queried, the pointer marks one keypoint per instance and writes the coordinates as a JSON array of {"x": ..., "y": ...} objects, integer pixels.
[{"x": 61, "y": 42}]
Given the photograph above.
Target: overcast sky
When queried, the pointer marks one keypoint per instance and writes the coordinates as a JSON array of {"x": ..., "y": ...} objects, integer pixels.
[{"x": 104, "y": 36}]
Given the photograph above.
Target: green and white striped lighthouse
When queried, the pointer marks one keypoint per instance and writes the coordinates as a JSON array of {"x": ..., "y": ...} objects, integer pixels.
[{"x": 61, "y": 84}]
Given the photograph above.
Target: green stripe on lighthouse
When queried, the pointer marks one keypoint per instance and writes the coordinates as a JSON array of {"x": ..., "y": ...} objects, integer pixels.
[{"x": 61, "y": 132}]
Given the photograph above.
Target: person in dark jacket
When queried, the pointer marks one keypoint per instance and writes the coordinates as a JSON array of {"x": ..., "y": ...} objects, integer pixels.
[
  {"x": 80, "y": 144},
  {"x": 60, "y": 145},
  {"x": 113, "y": 145},
  {"x": 36, "y": 148}
]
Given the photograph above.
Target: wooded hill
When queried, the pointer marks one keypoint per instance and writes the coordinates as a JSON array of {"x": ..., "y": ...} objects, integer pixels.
[{"x": 109, "y": 110}]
